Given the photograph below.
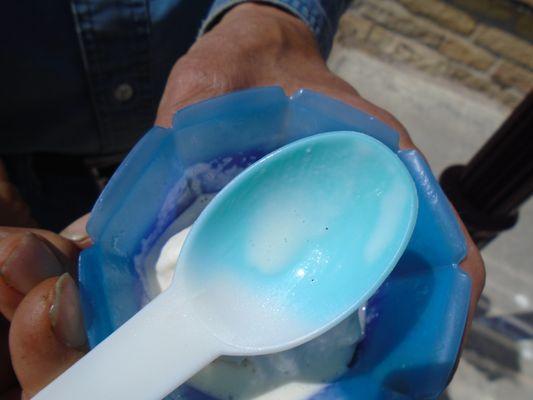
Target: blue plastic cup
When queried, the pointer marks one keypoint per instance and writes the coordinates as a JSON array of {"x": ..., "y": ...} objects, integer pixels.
[{"x": 414, "y": 322}]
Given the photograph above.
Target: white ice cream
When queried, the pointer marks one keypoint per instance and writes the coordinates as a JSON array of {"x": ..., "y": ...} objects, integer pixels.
[{"x": 290, "y": 375}]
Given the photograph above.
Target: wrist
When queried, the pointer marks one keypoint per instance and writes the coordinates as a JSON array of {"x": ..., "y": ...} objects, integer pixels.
[{"x": 264, "y": 28}]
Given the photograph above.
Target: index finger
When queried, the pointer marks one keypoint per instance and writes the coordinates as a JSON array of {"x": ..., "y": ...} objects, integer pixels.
[{"x": 68, "y": 248}]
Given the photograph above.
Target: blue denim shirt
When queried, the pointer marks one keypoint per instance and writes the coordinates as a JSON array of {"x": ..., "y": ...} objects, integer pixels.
[{"x": 86, "y": 76}]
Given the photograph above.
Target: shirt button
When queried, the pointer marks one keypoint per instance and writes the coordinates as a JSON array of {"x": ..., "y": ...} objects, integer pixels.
[{"x": 123, "y": 92}]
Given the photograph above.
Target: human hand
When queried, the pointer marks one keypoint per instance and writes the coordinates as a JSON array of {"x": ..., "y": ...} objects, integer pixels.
[
  {"x": 40, "y": 307},
  {"x": 259, "y": 45},
  {"x": 253, "y": 45}
]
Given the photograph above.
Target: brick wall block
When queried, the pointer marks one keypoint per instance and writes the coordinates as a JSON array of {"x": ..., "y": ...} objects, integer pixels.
[
  {"x": 467, "y": 54},
  {"x": 495, "y": 10},
  {"x": 380, "y": 41},
  {"x": 445, "y": 14},
  {"x": 505, "y": 44},
  {"x": 353, "y": 29},
  {"x": 398, "y": 20},
  {"x": 509, "y": 75}
]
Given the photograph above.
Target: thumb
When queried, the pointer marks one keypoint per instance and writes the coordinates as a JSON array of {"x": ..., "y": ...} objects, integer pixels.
[{"x": 47, "y": 334}]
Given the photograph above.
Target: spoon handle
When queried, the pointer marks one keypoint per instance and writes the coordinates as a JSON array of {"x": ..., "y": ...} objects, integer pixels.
[{"x": 154, "y": 352}]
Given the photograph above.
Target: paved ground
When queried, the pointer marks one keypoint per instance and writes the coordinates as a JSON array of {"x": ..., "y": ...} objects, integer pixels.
[{"x": 449, "y": 124}]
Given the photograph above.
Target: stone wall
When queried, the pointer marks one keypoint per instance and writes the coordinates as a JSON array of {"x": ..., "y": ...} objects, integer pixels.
[{"x": 482, "y": 44}]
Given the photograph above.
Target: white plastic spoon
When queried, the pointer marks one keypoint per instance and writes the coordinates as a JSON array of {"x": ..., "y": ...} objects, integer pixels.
[{"x": 288, "y": 249}]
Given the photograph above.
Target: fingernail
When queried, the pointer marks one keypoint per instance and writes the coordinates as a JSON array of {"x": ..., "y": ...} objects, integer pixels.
[
  {"x": 65, "y": 313},
  {"x": 26, "y": 260},
  {"x": 76, "y": 231}
]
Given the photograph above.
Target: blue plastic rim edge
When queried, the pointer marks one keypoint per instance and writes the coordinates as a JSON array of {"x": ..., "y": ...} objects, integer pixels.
[{"x": 410, "y": 350}]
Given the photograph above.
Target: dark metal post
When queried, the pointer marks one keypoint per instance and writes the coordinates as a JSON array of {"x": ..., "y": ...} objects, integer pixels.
[{"x": 488, "y": 191}]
